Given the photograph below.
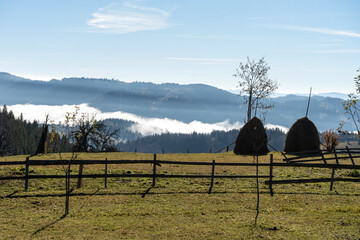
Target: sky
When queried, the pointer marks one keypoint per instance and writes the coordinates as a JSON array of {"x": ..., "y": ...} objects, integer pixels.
[{"x": 306, "y": 43}]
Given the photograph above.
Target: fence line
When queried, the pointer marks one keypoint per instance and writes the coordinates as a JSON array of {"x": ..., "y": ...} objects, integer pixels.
[
  {"x": 154, "y": 175},
  {"x": 288, "y": 162},
  {"x": 302, "y": 161}
]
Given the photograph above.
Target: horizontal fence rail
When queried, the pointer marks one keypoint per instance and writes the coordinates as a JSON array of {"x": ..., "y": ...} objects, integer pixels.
[
  {"x": 313, "y": 180},
  {"x": 304, "y": 159},
  {"x": 327, "y": 160},
  {"x": 154, "y": 175},
  {"x": 92, "y": 162},
  {"x": 322, "y": 155},
  {"x": 131, "y": 176}
]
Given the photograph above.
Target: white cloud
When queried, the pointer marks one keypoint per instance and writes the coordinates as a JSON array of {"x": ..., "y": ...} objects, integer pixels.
[
  {"x": 36, "y": 77},
  {"x": 336, "y": 51},
  {"x": 329, "y": 51},
  {"x": 327, "y": 45},
  {"x": 126, "y": 18},
  {"x": 256, "y": 18},
  {"x": 319, "y": 30},
  {"x": 273, "y": 126},
  {"x": 145, "y": 126},
  {"x": 205, "y": 59}
]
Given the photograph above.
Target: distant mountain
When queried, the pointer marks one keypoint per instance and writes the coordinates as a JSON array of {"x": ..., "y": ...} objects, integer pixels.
[
  {"x": 334, "y": 95},
  {"x": 329, "y": 94},
  {"x": 182, "y": 102}
]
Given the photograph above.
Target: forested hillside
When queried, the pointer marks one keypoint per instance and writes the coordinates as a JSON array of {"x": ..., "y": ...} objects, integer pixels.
[
  {"x": 17, "y": 136},
  {"x": 195, "y": 143},
  {"x": 185, "y": 103}
]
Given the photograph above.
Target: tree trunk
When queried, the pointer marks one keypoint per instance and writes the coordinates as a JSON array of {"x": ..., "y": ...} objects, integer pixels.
[{"x": 249, "y": 105}]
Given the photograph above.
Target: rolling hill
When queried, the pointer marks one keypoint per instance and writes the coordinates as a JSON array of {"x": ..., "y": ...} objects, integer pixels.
[{"x": 182, "y": 102}]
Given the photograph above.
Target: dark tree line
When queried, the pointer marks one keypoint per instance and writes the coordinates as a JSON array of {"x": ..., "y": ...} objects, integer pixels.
[
  {"x": 195, "y": 142},
  {"x": 17, "y": 136}
]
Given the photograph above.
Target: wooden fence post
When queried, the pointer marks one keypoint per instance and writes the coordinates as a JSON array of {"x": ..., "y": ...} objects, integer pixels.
[
  {"x": 212, "y": 176},
  {"x": 336, "y": 157},
  {"x": 271, "y": 175},
  {"x": 323, "y": 158},
  {"x": 333, "y": 171},
  {"x": 67, "y": 187},
  {"x": 332, "y": 178},
  {"x": 154, "y": 171},
  {"x": 352, "y": 160},
  {"x": 27, "y": 173},
  {"x": 106, "y": 171},
  {"x": 79, "y": 182}
]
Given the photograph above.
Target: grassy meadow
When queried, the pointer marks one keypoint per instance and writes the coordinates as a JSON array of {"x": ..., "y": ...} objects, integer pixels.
[{"x": 177, "y": 208}]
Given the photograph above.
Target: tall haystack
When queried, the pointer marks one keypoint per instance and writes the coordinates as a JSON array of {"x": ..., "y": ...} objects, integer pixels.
[
  {"x": 252, "y": 139},
  {"x": 303, "y": 136}
]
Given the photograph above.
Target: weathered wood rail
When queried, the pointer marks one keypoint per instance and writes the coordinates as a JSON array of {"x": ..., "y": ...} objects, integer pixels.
[
  {"x": 323, "y": 159},
  {"x": 154, "y": 175},
  {"x": 305, "y": 159}
]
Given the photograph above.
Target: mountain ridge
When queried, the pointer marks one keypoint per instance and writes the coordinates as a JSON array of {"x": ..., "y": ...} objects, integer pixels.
[{"x": 184, "y": 102}]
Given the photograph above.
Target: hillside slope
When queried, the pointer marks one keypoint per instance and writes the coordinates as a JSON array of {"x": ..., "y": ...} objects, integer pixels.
[{"x": 182, "y": 102}]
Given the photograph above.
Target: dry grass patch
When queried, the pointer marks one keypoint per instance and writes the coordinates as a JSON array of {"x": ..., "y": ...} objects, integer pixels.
[{"x": 178, "y": 208}]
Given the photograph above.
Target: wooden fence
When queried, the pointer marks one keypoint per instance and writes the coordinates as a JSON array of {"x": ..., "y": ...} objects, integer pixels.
[
  {"x": 154, "y": 175},
  {"x": 325, "y": 159},
  {"x": 329, "y": 160}
]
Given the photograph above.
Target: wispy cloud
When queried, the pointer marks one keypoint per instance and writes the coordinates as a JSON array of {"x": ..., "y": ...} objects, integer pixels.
[
  {"x": 256, "y": 18},
  {"x": 319, "y": 30},
  {"x": 327, "y": 45},
  {"x": 126, "y": 18},
  {"x": 143, "y": 125},
  {"x": 335, "y": 51},
  {"x": 205, "y": 59},
  {"x": 274, "y": 126},
  {"x": 345, "y": 51},
  {"x": 36, "y": 77}
]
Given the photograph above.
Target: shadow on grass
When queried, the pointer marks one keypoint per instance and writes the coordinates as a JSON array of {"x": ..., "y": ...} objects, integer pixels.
[
  {"x": 147, "y": 192},
  {"x": 48, "y": 225},
  {"x": 11, "y": 194}
]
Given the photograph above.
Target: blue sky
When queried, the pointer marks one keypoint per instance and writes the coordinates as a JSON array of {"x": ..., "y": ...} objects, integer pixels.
[{"x": 306, "y": 43}]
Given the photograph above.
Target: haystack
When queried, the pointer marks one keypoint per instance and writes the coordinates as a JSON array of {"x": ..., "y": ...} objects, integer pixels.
[
  {"x": 252, "y": 139},
  {"x": 303, "y": 136}
]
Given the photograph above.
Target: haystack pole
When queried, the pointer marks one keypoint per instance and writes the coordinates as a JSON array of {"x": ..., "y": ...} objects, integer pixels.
[{"x": 303, "y": 135}]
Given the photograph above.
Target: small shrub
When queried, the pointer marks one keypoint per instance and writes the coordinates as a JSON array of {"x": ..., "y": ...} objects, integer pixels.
[
  {"x": 331, "y": 139},
  {"x": 20, "y": 170},
  {"x": 17, "y": 170},
  {"x": 354, "y": 173}
]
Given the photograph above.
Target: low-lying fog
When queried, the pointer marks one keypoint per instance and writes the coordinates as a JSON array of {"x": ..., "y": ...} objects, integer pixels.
[{"x": 144, "y": 126}]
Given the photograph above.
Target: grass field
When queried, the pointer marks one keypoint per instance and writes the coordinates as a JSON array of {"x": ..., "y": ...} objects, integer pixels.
[{"x": 177, "y": 208}]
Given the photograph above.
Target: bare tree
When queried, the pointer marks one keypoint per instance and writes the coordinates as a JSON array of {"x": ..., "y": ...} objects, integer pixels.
[
  {"x": 87, "y": 134},
  {"x": 331, "y": 139},
  {"x": 103, "y": 138},
  {"x": 255, "y": 85},
  {"x": 352, "y": 108}
]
